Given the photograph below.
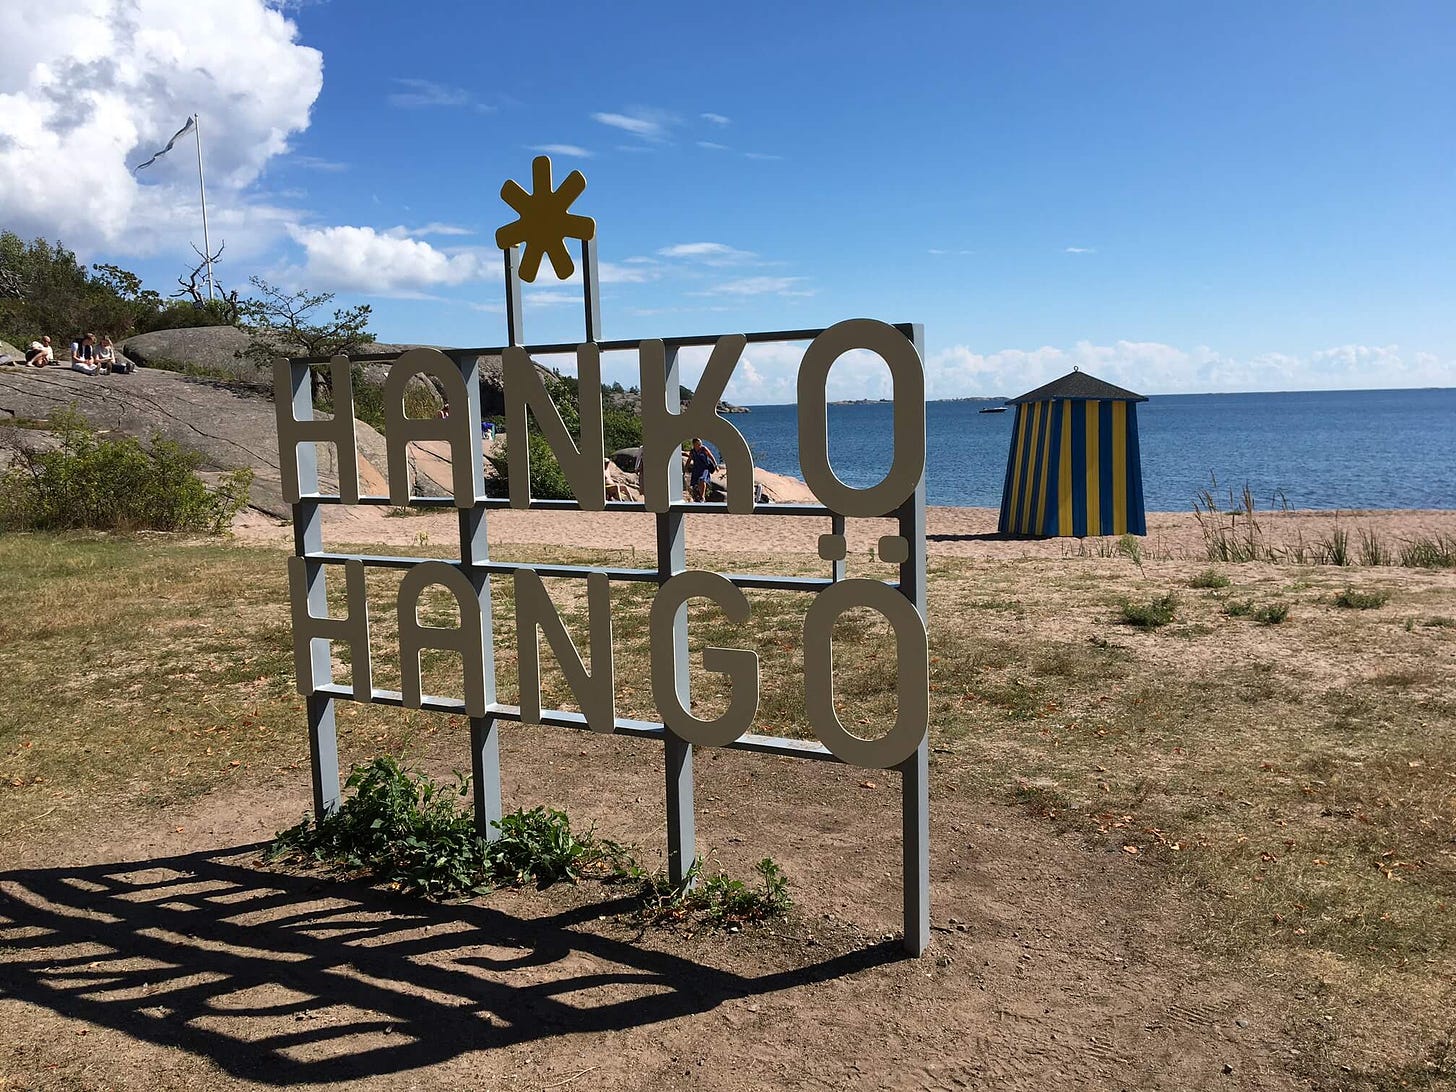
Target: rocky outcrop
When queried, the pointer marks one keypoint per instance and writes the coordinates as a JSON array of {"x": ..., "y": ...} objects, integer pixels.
[
  {"x": 231, "y": 427},
  {"x": 231, "y": 423},
  {"x": 9, "y": 353},
  {"x": 213, "y": 350}
]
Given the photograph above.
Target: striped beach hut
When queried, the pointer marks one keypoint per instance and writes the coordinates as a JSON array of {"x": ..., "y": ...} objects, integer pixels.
[{"x": 1074, "y": 469}]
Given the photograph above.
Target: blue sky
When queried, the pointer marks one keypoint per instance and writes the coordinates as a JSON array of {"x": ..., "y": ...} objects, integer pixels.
[{"x": 1174, "y": 197}]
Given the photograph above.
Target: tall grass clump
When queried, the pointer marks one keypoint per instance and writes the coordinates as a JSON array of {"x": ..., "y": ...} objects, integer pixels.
[
  {"x": 96, "y": 483},
  {"x": 1438, "y": 552},
  {"x": 1232, "y": 534},
  {"x": 1335, "y": 550},
  {"x": 1372, "y": 550}
]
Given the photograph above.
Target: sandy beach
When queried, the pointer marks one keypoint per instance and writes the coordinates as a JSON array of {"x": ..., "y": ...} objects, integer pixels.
[{"x": 951, "y": 532}]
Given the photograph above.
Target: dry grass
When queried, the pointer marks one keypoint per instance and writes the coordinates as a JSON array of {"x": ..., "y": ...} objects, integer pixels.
[{"x": 1298, "y": 780}]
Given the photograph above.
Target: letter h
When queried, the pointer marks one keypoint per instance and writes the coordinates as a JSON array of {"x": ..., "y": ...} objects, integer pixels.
[{"x": 299, "y": 430}]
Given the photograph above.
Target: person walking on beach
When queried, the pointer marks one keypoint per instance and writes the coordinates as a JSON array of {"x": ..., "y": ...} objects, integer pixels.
[{"x": 701, "y": 464}]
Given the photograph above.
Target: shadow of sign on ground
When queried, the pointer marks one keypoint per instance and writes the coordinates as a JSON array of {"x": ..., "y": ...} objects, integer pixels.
[{"x": 207, "y": 953}]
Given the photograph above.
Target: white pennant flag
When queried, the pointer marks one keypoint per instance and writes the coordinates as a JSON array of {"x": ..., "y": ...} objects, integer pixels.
[{"x": 180, "y": 132}]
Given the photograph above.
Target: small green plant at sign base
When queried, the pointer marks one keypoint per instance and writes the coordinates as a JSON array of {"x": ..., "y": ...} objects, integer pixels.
[
  {"x": 720, "y": 898},
  {"x": 1209, "y": 578},
  {"x": 409, "y": 831},
  {"x": 1353, "y": 599},
  {"x": 404, "y": 829},
  {"x": 1150, "y": 615}
]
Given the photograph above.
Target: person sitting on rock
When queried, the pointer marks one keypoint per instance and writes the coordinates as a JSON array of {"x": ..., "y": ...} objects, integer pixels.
[
  {"x": 83, "y": 355},
  {"x": 112, "y": 361},
  {"x": 40, "y": 353}
]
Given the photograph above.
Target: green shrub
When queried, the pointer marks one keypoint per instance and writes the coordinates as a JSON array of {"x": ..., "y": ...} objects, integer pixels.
[
  {"x": 1209, "y": 578},
  {"x": 548, "y": 481},
  {"x": 1239, "y": 608},
  {"x": 113, "y": 485},
  {"x": 1150, "y": 615},
  {"x": 1361, "y": 600}
]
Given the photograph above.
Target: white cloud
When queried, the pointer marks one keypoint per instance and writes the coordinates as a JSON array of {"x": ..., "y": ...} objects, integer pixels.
[
  {"x": 561, "y": 149},
  {"x": 759, "y": 286},
  {"x": 709, "y": 253},
  {"x": 1153, "y": 367},
  {"x": 110, "y": 83},
  {"x": 433, "y": 228},
  {"x": 1081, "y": 250},
  {"x": 760, "y": 155},
  {"x": 422, "y": 94},
  {"x": 651, "y": 125},
  {"x": 361, "y": 259},
  {"x": 716, "y": 119},
  {"x": 315, "y": 163},
  {"x": 714, "y": 145},
  {"x": 633, "y": 271},
  {"x": 767, "y": 374}
]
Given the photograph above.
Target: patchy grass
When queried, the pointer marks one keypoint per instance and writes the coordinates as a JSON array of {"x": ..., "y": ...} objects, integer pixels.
[{"x": 1296, "y": 782}]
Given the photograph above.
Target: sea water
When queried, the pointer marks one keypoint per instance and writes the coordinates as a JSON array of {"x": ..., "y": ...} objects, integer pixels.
[{"x": 1304, "y": 449}]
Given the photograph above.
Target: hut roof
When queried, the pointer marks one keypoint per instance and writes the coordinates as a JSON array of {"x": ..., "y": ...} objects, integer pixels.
[{"x": 1078, "y": 384}]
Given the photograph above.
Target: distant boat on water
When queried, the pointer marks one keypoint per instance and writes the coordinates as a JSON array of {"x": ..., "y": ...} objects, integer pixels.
[{"x": 993, "y": 409}]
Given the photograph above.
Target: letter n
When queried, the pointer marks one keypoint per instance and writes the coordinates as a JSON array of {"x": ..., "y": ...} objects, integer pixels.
[{"x": 536, "y": 614}]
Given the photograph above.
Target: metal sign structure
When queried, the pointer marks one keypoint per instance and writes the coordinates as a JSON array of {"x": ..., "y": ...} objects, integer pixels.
[{"x": 540, "y": 233}]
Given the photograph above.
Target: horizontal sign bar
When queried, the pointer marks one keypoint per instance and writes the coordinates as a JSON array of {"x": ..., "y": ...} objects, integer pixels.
[
  {"x": 644, "y": 576},
  {"x": 619, "y": 345},
  {"x": 562, "y": 718}
]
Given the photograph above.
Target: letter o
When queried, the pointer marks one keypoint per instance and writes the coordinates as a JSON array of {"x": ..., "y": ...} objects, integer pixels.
[
  {"x": 908, "y": 464},
  {"x": 912, "y": 677}
]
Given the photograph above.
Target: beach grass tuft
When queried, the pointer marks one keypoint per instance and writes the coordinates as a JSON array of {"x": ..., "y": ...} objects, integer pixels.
[
  {"x": 1355, "y": 599},
  {"x": 1436, "y": 552},
  {"x": 1210, "y": 578},
  {"x": 1151, "y": 614}
]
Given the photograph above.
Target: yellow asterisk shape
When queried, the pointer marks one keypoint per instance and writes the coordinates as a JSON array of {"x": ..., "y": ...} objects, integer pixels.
[{"x": 543, "y": 223}]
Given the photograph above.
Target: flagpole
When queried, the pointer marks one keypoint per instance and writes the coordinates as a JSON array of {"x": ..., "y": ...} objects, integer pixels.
[{"x": 202, "y": 189}]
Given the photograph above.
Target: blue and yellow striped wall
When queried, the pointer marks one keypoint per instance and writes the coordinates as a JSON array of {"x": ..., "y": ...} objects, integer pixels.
[{"x": 1074, "y": 470}]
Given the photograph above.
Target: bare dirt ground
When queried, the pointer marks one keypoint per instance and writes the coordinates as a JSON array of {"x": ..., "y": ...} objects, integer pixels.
[
  {"x": 152, "y": 950},
  {"x": 165, "y": 957}
]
